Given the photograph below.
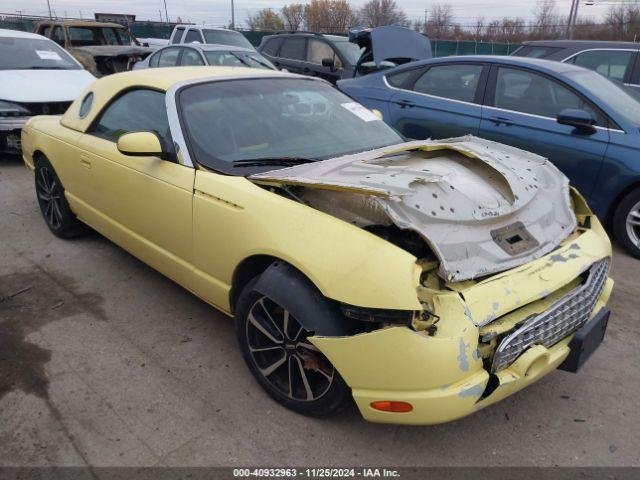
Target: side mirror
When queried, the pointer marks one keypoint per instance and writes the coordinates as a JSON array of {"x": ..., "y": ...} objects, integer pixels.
[
  {"x": 581, "y": 120},
  {"x": 140, "y": 144},
  {"x": 328, "y": 62}
]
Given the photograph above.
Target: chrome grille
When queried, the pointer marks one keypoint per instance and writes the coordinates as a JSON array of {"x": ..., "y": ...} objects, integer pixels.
[
  {"x": 561, "y": 319},
  {"x": 12, "y": 123}
]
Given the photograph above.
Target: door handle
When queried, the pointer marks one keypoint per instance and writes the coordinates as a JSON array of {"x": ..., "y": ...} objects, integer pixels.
[
  {"x": 501, "y": 121},
  {"x": 404, "y": 103}
]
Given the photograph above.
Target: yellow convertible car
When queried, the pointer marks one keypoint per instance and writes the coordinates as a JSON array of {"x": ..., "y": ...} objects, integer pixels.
[{"x": 425, "y": 279}]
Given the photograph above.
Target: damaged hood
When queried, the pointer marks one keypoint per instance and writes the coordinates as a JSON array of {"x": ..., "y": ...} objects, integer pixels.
[
  {"x": 114, "y": 50},
  {"x": 482, "y": 207}
]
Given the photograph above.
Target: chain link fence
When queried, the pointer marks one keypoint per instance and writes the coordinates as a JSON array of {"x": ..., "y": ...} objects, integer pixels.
[{"x": 440, "y": 48}]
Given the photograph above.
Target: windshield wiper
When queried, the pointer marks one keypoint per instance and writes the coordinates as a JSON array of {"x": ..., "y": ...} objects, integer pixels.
[{"x": 262, "y": 162}]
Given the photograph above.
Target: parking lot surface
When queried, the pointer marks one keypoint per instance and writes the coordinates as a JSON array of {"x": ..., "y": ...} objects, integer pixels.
[{"x": 113, "y": 364}]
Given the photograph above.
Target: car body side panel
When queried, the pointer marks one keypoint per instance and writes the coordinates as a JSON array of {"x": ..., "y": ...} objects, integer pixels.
[
  {"x": 620, "y": 170},
  {"x": 579, "y": 157},
  {"x": 234, "y": 215},
  {"x": 371, "y": 92},
  {"x": 420, "y": 116},
  {"x": 146, "y": 210}
]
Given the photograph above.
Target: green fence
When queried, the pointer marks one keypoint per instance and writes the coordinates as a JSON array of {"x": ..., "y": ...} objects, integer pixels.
[{"x": 441, "y": 48}]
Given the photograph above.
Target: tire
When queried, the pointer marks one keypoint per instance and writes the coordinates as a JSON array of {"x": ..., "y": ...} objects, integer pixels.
[
  {"x": 53, "y": 204},
  {"x": 626, "y": 223},
  {"x": 278, "y": 361}
]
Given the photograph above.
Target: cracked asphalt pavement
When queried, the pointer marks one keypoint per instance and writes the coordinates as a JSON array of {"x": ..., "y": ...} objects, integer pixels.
[{"x": 105, "y": 362}]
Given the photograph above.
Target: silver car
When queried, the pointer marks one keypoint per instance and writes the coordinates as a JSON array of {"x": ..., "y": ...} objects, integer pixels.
[{"x": 195, "y": 54}]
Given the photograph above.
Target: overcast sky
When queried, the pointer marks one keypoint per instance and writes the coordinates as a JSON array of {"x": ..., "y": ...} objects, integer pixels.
[{"x": 218, "y": 11}]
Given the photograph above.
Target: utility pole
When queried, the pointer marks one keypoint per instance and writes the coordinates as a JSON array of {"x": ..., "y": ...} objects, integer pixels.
[
  {"x": 166, "y": 15},
  {"x": 573, "y": 15},
  {"x": 233, "y": 16},
  {"x": 49, "y": 6}
]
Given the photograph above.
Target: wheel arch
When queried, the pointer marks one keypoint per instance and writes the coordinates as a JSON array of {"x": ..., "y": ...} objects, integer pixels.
[
  {"x": 287, "y": 285},
  {"x": 246, "y": 270}
]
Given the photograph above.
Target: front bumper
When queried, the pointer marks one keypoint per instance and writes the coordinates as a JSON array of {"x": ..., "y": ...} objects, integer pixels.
[
  {"x": 444, "y": 376},
  {"x": 10, "y": 128}
]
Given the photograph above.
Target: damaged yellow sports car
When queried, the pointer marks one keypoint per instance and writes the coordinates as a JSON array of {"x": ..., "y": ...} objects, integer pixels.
[{"x": 424, "y": 279}]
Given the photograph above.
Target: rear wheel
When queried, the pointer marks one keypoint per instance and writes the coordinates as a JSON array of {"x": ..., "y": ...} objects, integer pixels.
[
  {"x": 54, "y": 206},
  {"x": 289, "y": 367},
  {"x": 626, "y": 223}
]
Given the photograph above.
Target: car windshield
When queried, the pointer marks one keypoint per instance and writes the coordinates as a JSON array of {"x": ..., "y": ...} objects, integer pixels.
[
  {"x": 33, "y": 53},
  {"x": 350, "y": 51},
  {"x": 89, "y": 36},
  {"x": 226, "y": 37},
  {"x": 616, "y": 97},
  {"x": 237, "y": 59},
  {"x": 276, "y": 119}
]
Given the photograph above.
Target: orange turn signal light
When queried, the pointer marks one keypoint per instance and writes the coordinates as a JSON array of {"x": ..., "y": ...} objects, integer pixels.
[{"x": 392, "y": 406}]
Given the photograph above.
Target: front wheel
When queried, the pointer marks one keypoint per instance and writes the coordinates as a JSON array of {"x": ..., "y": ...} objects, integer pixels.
[
  {"x": 626, "y": 223},
  {"x": 287, "y": 365}
]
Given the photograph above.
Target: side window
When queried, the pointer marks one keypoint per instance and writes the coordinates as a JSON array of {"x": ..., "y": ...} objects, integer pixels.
[
  {"x": 155, "y": 58},
  {"x": 193, "y": 36},
  {"x": 169, "y": 57},
  {"x": 177, "y": 36},
  {"x": 456, "y": 82},
  {"x": 191, "y": 57},
  {"x": 294, "y": 48},
  {"x": 86, "y": 104},
  {"x": 271, "y": 47},
  {"x": 45, "y": 31},
  {"x": 58, "y": 36},
  {"x": 528, "y": 92},
  {"x": 82, "y": 37},
  {"x": 318, "y": 50},
  {"x": 134, "y": 111},
  {"x": 610, "y": 63},
  {"x": 398, "y": 79}
]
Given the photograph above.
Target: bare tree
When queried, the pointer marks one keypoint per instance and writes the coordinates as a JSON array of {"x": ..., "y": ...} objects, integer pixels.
[
  {"x": 376, "y": 13},
  {"x": 328, "y": 16},
  {"x": 265, "y": 20},
  {"x": 546, "y": 23},
  {"x": 293, "y": 16},
  {"x": 440, "y": 21},
  {"x": 623, "y": 20},
  {"x": 478, "y": 28}
]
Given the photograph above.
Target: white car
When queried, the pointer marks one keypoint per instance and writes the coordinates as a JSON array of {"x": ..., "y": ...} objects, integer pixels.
[
  {"x": 208, "y": 34},
  {"x": 37, "y": 77}
]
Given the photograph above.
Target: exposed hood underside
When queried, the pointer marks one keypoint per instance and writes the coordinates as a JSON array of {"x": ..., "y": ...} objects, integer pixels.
[
  {"x": 392, "y": 42},
  {"x": 483, "y": 207}
]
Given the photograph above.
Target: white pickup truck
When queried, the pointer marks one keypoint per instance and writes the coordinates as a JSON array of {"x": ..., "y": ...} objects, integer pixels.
[{"x": 208, "y": 34}]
